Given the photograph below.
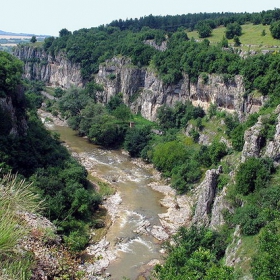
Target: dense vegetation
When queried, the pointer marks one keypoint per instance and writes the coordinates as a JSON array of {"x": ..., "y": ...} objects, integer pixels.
[
  {"x": 15, "y": 195},
  {"x": 172, "y": 143},
  {"x": 196, "y": 254},
  {"x": 38, "y": 156}
]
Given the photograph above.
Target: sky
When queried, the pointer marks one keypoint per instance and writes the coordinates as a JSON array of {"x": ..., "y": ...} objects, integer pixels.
[{"x": 48, "y": 17}]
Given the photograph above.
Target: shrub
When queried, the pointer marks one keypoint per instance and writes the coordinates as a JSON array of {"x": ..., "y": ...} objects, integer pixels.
[{"x": 253, "y": 174}]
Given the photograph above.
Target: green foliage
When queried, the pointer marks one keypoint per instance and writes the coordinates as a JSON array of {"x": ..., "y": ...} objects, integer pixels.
[
  {"x": 265, "y": 264},
  {"x": 136, "y": 139},
  {"x": 64, "y": 32},
  {"x": 10, "y": 73},
  {"x": 167, "y": 156},
  {"x": 58, "y": 92},
  {"x": 122, "y": 113},
  {"x": 114, "y": 102},
  {"x": 224, "y": 42},
  {"x": 275, "y": 29},
  {"x": 178, "y": 116},
  {"x": 231, "y": 122},
  {"x": 253, "y": 175},
  {"x": 106, "y": 131},
  {"x": 233, "y": 29},
  {"x": 185, "y": 175},
  {"x": 15, "y": 196},
  {"x": 204, "y": 30},
  {"x": 33, "y": 39},
  {"x": 249, "y": 218},
  {"x": 236, "y": 40},
  {"x": 212, "y": 154},
  {"x": 60, "y": 180},
  {"x": 196, "y": 255},
  {"x": 237, "y": 137}
]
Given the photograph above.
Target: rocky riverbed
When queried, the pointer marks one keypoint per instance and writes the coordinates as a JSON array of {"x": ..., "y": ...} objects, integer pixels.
[{"x": 178, "y": 210}]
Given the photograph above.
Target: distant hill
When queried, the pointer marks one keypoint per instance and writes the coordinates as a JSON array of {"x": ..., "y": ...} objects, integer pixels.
[{"x": 20, "y": 34}]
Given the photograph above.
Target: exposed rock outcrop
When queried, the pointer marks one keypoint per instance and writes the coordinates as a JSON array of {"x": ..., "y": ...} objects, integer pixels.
[
  {"x": 273, "y": 147},
  {"x": 161, "y": 47},
  {"x": 145, "y": 92},
  {"x": 206, "y": 195},
  {"x": 253, "y": 141},
  {"x": 53, "y": 70},
  {"x": 220, "y": 204}
]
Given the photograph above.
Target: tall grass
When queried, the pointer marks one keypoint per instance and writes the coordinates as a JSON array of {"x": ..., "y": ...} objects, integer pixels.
[{"x": 15, "y": 197}]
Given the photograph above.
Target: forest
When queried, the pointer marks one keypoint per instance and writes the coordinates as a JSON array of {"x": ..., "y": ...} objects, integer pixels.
[{"x": 253, "y": 190}]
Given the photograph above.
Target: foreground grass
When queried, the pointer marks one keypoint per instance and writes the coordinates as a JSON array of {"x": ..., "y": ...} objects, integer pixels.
[{"x": 15, "y": 197}]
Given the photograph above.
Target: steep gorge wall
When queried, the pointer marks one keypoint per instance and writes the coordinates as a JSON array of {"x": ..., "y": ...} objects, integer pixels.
[
  {"x": 55, "y": 71},
  {"x": 143, "y": 91}
]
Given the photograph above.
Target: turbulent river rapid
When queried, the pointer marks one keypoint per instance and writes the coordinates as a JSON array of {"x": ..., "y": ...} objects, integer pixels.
[{"x": 129, "y": 248}]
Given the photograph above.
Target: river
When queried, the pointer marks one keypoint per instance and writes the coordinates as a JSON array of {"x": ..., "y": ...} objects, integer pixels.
[{"x": 129, "y": 238}]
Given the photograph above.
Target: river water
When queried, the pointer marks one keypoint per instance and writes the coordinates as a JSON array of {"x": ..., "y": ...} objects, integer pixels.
[{"x": 139, "y": 205}]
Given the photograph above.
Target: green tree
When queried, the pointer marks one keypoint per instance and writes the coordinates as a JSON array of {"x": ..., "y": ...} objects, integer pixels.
[
  {"x": 204, "y": 30},
  {"x": 233, "y": 29},
  {"x": 64, "y": 32},
  {"x": 236, "y": 40},
  {"x": 33, "y": 39},
  {"x": 167, "y": 156},
  {"x": 136, "y": 139},
  {"x": 122, "y": 113},
  {"x": 253, "y": 174},
  {"x": 10, "y": 74},
  {"x": 106, "y": 131},
  {"x": 275, "y": 29},
  {"x": 265, "y": 264}
]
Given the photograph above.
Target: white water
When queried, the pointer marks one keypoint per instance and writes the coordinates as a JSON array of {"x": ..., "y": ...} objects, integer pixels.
[{"x": 140, "y": 204}]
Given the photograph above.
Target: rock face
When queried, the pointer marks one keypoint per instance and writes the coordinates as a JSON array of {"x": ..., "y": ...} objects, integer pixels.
[
  {"x": 273, "y": 147},
  {"x": 144, "y": 92},
  {"x": 54, "y": 71},
  {"x": 206, "y": 195},
  {"x": 12, "y": 114},
  {"x": 220, "y": 204},
  {"x": 253, "y": 141}
]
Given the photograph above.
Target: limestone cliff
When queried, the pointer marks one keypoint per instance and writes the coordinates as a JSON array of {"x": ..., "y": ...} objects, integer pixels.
[
  {"x": 206, "y": 195},
  {"x": 273, "y": 147},
  {"x": 144, "y": 92},
  {"x": 253, "y": 141},
  {"x": 56, "y": 71}
]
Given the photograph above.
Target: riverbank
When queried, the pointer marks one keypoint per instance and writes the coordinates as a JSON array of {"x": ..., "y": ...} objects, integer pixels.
[{"x": 176, "y": 210}]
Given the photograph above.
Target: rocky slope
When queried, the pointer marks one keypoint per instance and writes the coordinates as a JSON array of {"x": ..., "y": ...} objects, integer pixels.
[
  {"x": 56, "y": 71},
  {"x": 143, "y": 91}
]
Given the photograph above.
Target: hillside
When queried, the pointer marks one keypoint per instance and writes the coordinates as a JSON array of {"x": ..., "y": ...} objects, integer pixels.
[
  {"x": 204, "y": 114},
  {"x": 252, "y": 38}
]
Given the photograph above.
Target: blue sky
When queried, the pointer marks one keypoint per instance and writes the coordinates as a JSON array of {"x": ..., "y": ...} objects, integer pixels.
[{"x": 48, "y": 17}]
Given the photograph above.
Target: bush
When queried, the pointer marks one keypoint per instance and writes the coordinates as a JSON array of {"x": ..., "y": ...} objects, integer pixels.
[
  {"x": 253, "y": 175},
  {"x": 249, "y": 218},
  {"x": 185, "y": 175},
  {"x": 136, "y": 139},
  {"x": 275, "y": 29},
  {"x": 167, "y": 156},
  {"x": 233, "y": 29}
]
